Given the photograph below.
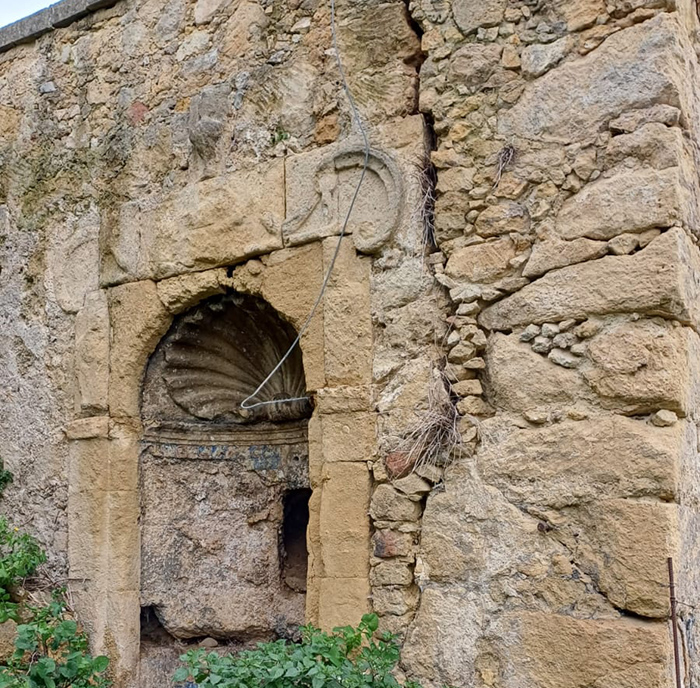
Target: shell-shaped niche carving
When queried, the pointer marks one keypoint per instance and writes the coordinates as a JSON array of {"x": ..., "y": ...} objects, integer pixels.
[{"x": 219, "y": 353}]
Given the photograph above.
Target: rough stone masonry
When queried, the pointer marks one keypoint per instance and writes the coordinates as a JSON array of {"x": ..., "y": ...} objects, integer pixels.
[{"x": 522, "y": 265}]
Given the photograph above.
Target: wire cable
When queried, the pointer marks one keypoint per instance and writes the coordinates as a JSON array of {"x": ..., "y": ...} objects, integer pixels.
[{"x": 365, "y": 138}]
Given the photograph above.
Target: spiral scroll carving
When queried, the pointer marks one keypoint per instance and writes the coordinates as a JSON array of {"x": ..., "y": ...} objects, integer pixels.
[{"x": 218, "y": 354}]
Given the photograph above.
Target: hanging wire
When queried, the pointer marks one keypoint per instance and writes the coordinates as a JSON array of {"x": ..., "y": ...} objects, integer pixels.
[{"x": 365, "y": 138}]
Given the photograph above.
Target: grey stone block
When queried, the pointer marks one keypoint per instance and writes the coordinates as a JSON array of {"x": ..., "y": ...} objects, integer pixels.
[{"x": 56, "y": 16}]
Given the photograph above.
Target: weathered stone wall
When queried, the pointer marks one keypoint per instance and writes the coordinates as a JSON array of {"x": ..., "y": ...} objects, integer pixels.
[
  {"x": 566, "y": 212},
  {"x": 523, "y": 249}
]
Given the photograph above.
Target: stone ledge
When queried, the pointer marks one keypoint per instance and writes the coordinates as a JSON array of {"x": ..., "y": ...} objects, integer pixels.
[{"x": 56, "y": 16}]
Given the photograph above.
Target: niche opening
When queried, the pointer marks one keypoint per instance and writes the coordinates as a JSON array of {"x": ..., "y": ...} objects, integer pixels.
[{"x": 294, "y": 555}]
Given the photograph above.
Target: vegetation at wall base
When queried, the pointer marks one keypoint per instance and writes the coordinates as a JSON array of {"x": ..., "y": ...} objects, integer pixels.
[
  {"x": 50, "y": 648},
  {"x": 346, "y": 658}
]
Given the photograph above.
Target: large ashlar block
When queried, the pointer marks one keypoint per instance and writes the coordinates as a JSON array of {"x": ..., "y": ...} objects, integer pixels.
[
  {"x": 632, "y": 69},
  {"x": 659, "y": 280},
  {"x": 124, "y": 448},
  {"x": 212, "y": 223},
  {"x": 73, "y": 258},
  {"x": 121, "y": 640},
  {"x": 640, "y": 366},
  {"x": 344, "y": 521},
  {"x": 122, "y": 545},
  {"x": 443, "y": 642},
  {"x": 630, "y": 201},
  {"x": 92, "y": 354},
  {"x": 557, "y": 651},
  {"x": 138, "y": 320},
  {"x": 623, "y": 546},
  {"x": 87, "y": 530},
  {"x": 574, "y": 462},
  {"x": 349, "y": 436},
  {"x": 290, "y": 281},
  {"x": 342, "y": 601},
  {"x": 545, "y": 383},
  {"x": 347, "y": 317},
  {"x": 184, "y": 291},
  {"x": 320, "y": 189}
]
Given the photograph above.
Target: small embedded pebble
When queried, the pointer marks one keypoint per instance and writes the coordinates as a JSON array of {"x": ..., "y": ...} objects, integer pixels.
[
  {"x": 550, "y": 329},
  {"x": 664, "y": 418},
  {"x": 542, "y": 345},
  {"x": 563, "y": 358},
  {"x": 565, "y": 339},
  {"x": 565, "y": 325},
  {"x": 529, "y": 333}
]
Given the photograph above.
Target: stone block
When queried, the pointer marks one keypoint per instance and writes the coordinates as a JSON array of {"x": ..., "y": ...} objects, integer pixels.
[
  {"x": 474, "y": 63},
  {"x": 481, "y": 262},
  {"x": 87, "y": 529},
  {"x": 320, "y": 186},
  {"x": 557, "y": 651},
  {"x": 391, "y": 543},
  {"x": 393, "y": 600},
  {"x": 575, "y": 462},
  {"x": 469, "y": 16},
  {"x": 88, "y": 465},
  {"x": 443, "y": 641},
  {"x": 658, "y": 280},
  {"x": 214, "y": 222},
  {"x": 656, "y": 144},
  {"x": 92, "y": 336},
  {"x": 121, "y": 641},
  {"x": 631, "y": 69},
  {"x": 123, "y": 544},
  {"x": 388, "y": 504},
  {"x": 180, "y": 293},
  {"x": 347, "y": 319},
  {"x": 73, "y": 258},
  {"x": 630, "y": 201},
  {"x": 124, "y": 449},
  {"x": 538, "y": 58},
  {"x": 343, "y": 601},
  {"x": 344, "y": 523},
  {"x": 87, "y": 428},
  {"x": 391, "y": 573},
  {"x": 8, "y": 635},
  {"x": 349, "y": 436},
  {"x": 543, "y": 384},
  {"x": 552, "y": 253},
  {"x": 638, "y": 367},
  {"x": 139, "y": 320},
  {"x": 623, "y": 546},
  {"x": 290, "y": 281}
]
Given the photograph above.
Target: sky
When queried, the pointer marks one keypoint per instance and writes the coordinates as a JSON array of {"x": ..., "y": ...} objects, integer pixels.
[{"x": 12, "y": 10}]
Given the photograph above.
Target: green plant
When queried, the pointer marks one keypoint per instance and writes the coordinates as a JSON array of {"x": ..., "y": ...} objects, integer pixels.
[
  {"x": 20, "y": 556},
  {"x": 51, "y": 651},
  {"x": 279, "y": 135},
  {"x": 347, "y": 658}
]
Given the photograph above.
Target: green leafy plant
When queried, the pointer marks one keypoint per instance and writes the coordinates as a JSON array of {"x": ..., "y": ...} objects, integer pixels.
[
  {"x": 347, "y": 658},
  {"x": 51, "y": 651}
]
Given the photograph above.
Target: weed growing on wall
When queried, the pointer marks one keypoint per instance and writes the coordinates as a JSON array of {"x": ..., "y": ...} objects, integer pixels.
[
  {"x": 347, "y": 658},
  {"x": 51, "y": 651}
]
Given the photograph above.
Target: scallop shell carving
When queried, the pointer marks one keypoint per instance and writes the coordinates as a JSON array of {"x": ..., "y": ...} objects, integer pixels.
[{"x": 218, "y": 354}]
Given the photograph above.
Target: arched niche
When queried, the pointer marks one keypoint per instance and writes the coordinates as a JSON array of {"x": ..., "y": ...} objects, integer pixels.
[{"x": 224, "y": 491}]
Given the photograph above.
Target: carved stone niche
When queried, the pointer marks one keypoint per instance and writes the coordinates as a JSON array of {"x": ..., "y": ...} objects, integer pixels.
[{"x": 224, "y": 491}]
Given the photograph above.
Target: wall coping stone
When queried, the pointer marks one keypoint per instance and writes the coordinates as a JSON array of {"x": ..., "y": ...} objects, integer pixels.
[{"x": 55, "y": 16}]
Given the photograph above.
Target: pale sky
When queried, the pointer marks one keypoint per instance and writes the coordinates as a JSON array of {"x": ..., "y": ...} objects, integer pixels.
[{"x": 12, "y": 10}]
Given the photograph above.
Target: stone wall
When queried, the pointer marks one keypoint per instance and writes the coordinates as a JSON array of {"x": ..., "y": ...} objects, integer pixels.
[{"x": 520, "y": 272}]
